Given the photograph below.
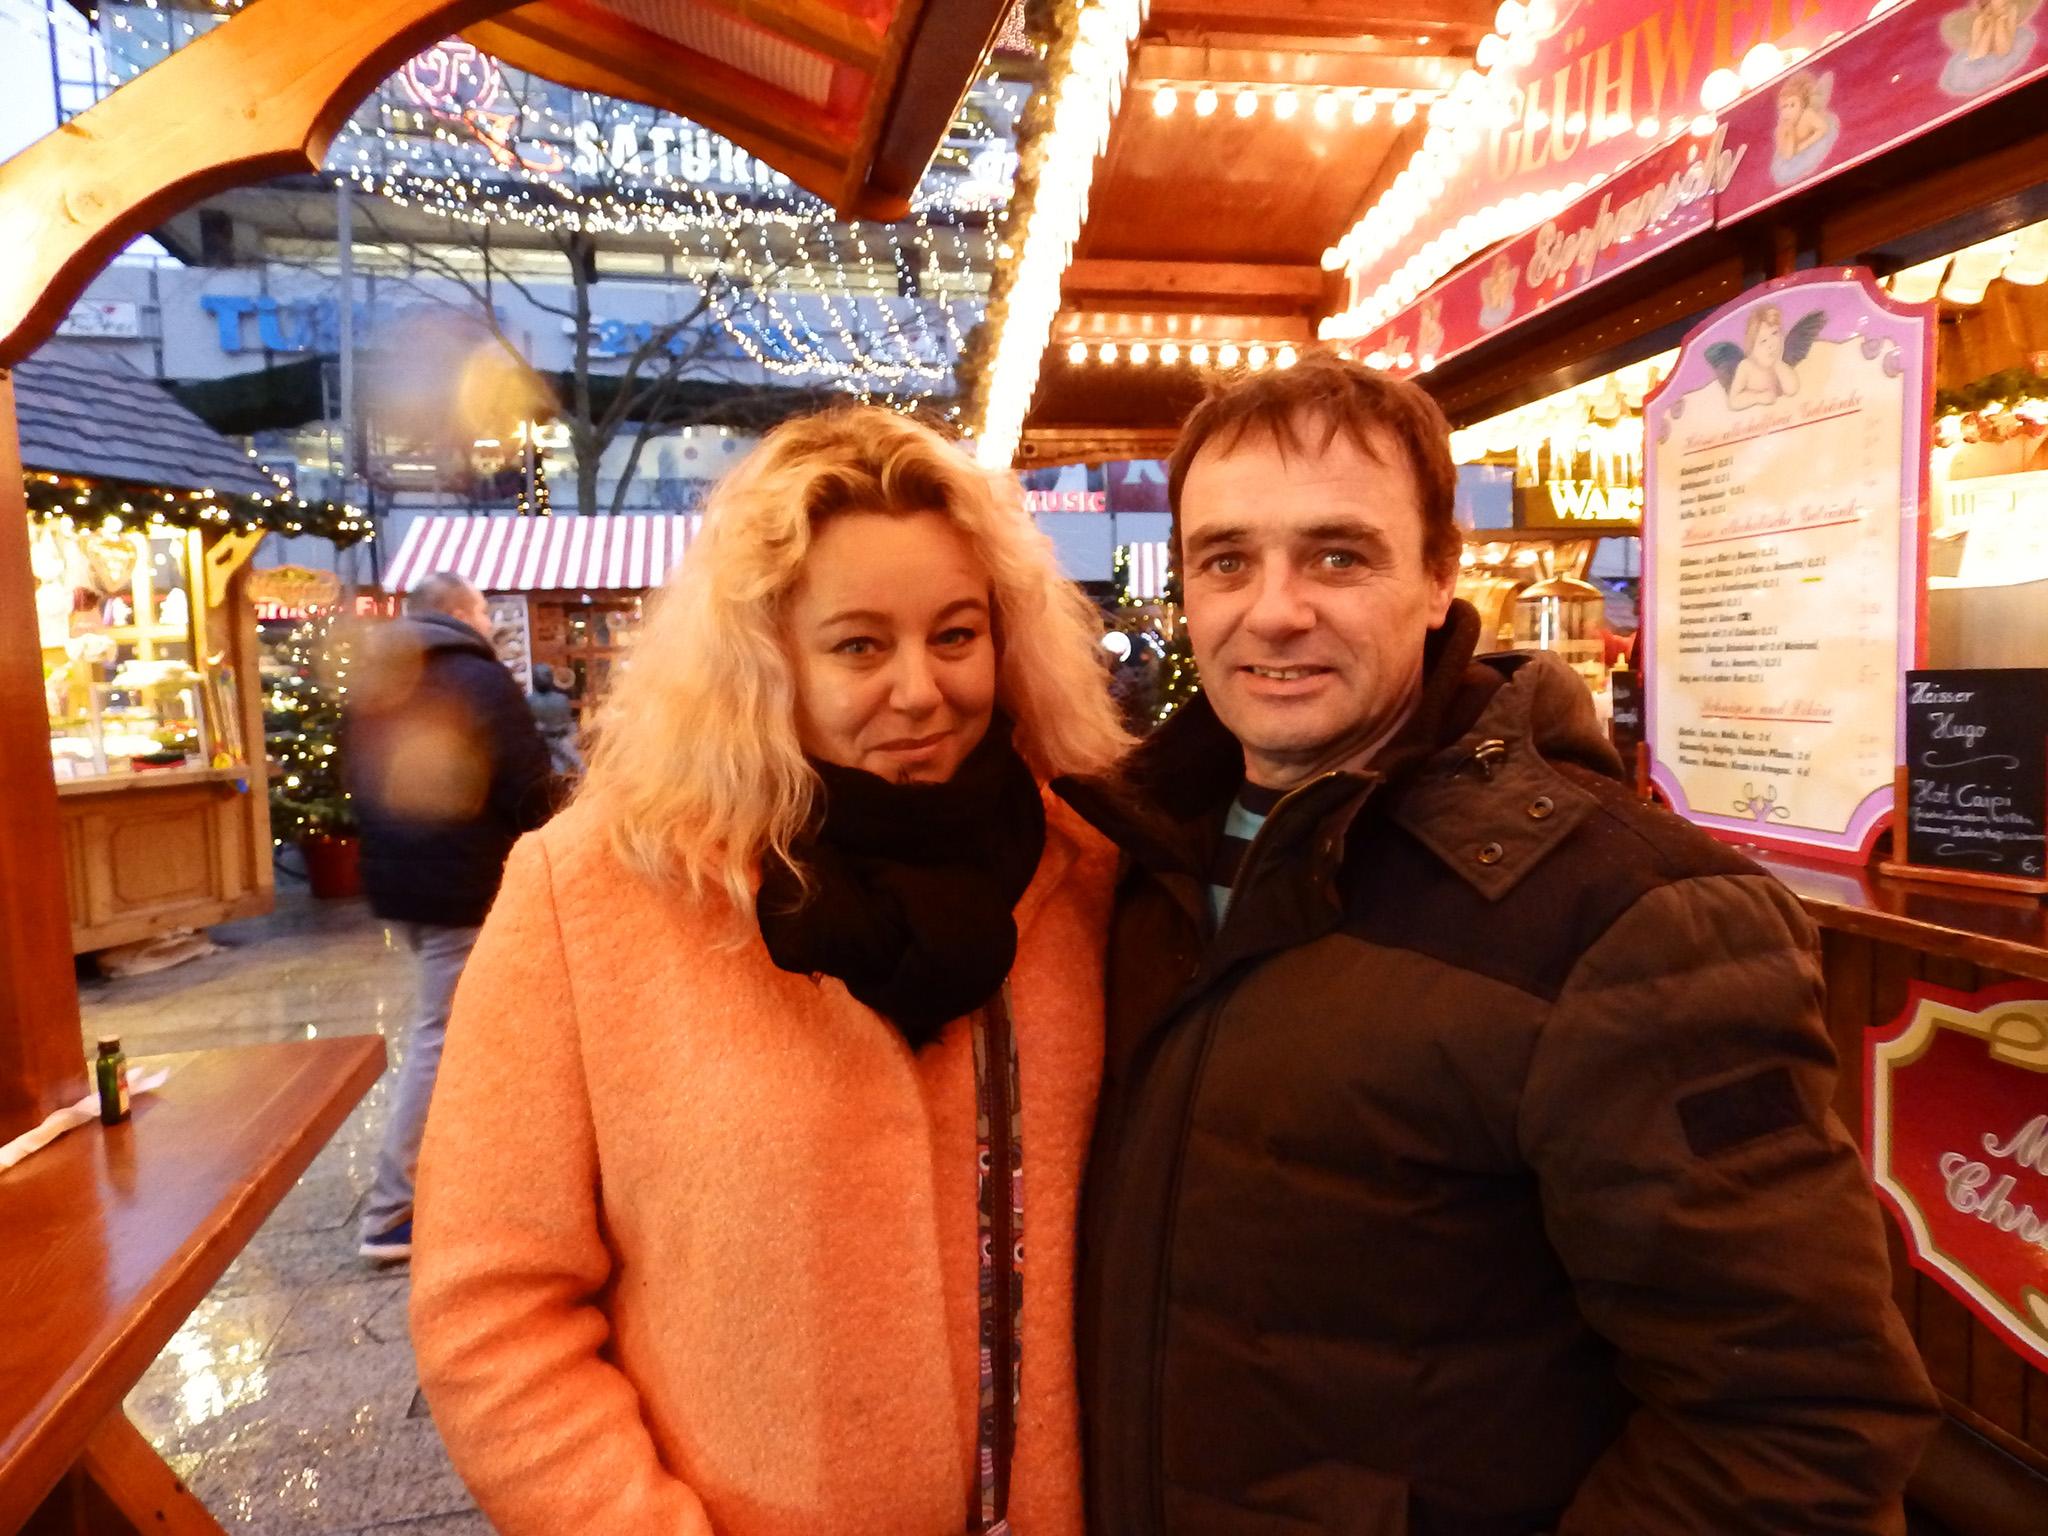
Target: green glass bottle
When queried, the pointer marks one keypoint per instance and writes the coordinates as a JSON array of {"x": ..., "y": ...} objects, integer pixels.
[{"x": 112, "y": 1071}]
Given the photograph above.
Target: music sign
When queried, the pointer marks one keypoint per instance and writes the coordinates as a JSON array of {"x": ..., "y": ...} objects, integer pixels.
[{"x": 1956, "y": 1128}]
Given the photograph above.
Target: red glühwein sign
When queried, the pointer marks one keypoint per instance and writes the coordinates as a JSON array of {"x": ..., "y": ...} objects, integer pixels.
[{"x": 1956, "y": 1126}]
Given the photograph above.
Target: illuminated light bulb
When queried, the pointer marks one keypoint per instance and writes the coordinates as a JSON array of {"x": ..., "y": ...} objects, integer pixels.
[
  {"x": 1205, "y": 102},
  {"x": 1285, "y": 105},
  {"x": 1702, "y": 126},
  {"x": 1326, "y": 109},
  {"x": 1404, "y": 112},
  {"x": 1227, "y": 354},
  {"x": 1405, "y": 360},
  {"x": 1491, "y": 48},
  {"x": 1760, "y": 63},
  {"x": 1720, "y": 88},
  {"x": 1542, "y": 14},
  {"x": 1286, "y": 357},
  {"x": 1521, "y": 50},
  {"x": 1538, "y": 120},
  {"x": 1198, "y": 354},
  {"x": 1247, "y": 103},
  {"x": 1333, "y": 258},
  {"x": 1077, "y": 353},
  {"x": 1256, "y": 357},
  {"x": 1509, "y": 19},
  {"x": 1140, "y": 352},
  {"x": 1164, "y": 100},
  {"x": 1361, "y": 109},
  {"x": 1647, "y": 128},
  {"x": 1169, "y": 353},
  {"x": 1106, "y": 353}
]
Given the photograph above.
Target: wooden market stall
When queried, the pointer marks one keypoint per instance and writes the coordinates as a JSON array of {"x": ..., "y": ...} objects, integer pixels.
[
  {"x": 849, "y": 100},
  {"x": 1580, "y": 206},
  {"x": 567, "y": 591},
  {"x": 140, "y": 519}
]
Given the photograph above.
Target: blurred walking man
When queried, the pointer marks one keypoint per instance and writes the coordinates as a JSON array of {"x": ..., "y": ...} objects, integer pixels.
[
  {"x": 447, "y": 768},
  {"x": 1464, "y": 1165}
]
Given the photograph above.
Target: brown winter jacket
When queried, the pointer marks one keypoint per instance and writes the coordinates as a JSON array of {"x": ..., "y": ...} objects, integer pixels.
[{"x": 1477, "y": 1178}]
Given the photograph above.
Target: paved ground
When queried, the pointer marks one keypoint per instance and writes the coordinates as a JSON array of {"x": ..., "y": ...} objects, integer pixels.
[{"x": 289, "y": 1401}]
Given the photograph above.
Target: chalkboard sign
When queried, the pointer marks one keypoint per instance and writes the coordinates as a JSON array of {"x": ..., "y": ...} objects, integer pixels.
[{"x": 1975, "y": 781}]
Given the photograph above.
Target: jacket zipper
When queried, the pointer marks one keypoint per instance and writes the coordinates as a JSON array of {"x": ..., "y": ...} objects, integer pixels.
[
  {"x": 1157, "y": 1454},
  {"x": 1002, "y": 1208}
]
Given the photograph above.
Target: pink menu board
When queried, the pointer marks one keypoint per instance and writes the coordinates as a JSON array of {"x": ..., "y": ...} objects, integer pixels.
[{"x": 1783, "y": 529}]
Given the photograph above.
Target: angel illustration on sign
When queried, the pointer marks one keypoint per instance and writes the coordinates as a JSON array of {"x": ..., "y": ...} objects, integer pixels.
[
  {"x": 1764, "y": 369},
  {"x": 1806, "y": 129},
  {"x": 1497, "y": 291},
  {"x": 1429, "y": 332},
  {"x": 1987, "y": 41}
]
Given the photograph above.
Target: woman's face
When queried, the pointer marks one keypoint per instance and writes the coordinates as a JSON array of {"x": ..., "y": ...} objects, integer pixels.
[{"x": 889, "y": 630}]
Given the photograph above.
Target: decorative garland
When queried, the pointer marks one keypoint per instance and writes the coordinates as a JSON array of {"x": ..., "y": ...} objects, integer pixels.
[
  {"x": 1996, "y": 408},
  {"x": 119, "y": 506}
]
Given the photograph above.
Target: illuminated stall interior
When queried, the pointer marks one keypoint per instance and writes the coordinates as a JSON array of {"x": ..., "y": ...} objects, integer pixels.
[
  {"x": 1988, "y": 481},
  {"x": 1551, "y": 494}
]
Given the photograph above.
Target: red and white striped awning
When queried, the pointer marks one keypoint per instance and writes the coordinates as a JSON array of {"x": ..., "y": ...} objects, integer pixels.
[
  {"x": 1146, "y": 571},
  {"x": 544, "y": 554}
]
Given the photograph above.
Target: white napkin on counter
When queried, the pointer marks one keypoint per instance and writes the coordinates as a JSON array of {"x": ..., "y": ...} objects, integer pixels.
[{"x": 71, "y": 1115}]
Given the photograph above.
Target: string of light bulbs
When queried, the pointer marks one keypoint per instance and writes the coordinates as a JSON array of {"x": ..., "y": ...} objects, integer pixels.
[{"x": 1085, "y": 72}]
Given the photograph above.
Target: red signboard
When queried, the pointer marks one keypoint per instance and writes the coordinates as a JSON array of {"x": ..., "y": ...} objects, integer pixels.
[
  {"x": 1956, "y": 1129},
  {"x": 1911, "y": 69},
  {"x": 1598, "y": 74},
  {"x": 1653, "y": 204}
]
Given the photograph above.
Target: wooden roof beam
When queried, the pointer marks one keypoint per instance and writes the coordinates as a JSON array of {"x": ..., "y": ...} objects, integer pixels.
[
  {"x": 1122, "y": 325},
  {"x": 1425, "y": 23},
  {"x": 1186, "y": 281},
  {"x": 1171, "y": 64}
]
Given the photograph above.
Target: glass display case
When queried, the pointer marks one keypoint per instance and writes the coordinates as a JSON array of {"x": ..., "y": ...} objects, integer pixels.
[{"x": 123, "y": 675}]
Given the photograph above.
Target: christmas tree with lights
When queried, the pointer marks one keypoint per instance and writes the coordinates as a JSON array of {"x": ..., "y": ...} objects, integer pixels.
[{"x": 302, "y": 732}]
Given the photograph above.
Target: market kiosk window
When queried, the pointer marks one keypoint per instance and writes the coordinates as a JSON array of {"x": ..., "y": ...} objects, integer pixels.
[
  {"x": 1553, "y": 555},
  {"x": 123, "y": 674},
  {"x": 1988, "y": 472}
]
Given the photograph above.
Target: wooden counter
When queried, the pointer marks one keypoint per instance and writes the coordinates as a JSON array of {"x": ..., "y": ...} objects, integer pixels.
[
  {"x": 1986, "y": 928},
  {"x": 115, "y": 1233},
  {"x": 1878, "y": 935}
]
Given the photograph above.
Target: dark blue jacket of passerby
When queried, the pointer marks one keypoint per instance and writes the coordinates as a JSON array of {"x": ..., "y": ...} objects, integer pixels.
[{"x": 446, "y": 769}]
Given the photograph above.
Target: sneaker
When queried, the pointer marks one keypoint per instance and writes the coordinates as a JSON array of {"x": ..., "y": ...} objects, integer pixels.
[{"x": 393, "y": 1247}]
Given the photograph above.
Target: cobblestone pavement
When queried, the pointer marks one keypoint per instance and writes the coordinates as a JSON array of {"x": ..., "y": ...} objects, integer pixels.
[{"x": 288, "y": 1402}]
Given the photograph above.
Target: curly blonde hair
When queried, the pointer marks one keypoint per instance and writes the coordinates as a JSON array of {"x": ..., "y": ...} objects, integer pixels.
[{"x": 698, "y": 770}]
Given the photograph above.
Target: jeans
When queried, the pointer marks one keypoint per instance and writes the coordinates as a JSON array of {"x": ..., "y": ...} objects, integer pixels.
[{"x": 442, "y": 953}]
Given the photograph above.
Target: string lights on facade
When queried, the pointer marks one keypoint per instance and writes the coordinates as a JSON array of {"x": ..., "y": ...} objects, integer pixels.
[
  {"x": 880, "y": 312},
  {"x": 1085, "y": 81}
]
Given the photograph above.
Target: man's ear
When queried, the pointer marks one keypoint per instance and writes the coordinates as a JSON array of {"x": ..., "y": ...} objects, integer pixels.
[{"x": 1443, "y": 588}]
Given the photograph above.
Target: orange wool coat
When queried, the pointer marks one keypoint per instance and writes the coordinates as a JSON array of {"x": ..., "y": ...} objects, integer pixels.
[{"x": 695, "y": 1247}]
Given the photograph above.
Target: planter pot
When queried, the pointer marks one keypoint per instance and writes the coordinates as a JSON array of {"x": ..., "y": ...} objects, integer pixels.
[{"x": 333, "y": 866}]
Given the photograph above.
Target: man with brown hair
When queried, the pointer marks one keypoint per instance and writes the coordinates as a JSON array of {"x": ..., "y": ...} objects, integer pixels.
[{"x": 1464, "y": 1164}]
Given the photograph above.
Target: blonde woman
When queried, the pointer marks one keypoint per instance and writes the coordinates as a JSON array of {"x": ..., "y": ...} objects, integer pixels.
[{"x": 704, "y": 1239}]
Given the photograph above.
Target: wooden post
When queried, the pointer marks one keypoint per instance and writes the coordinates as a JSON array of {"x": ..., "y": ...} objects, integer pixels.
[{"x": 42, "y": 1053}]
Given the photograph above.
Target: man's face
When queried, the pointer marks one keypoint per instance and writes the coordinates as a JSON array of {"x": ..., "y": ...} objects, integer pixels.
[{"x": 1307, "y": 598}]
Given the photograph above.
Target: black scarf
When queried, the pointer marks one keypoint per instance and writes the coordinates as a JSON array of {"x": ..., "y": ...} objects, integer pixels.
[{"x": 912, "y": 886}]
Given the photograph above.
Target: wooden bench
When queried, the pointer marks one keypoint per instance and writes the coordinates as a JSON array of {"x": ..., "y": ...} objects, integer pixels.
[{"x": 111, "y": 1236}]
